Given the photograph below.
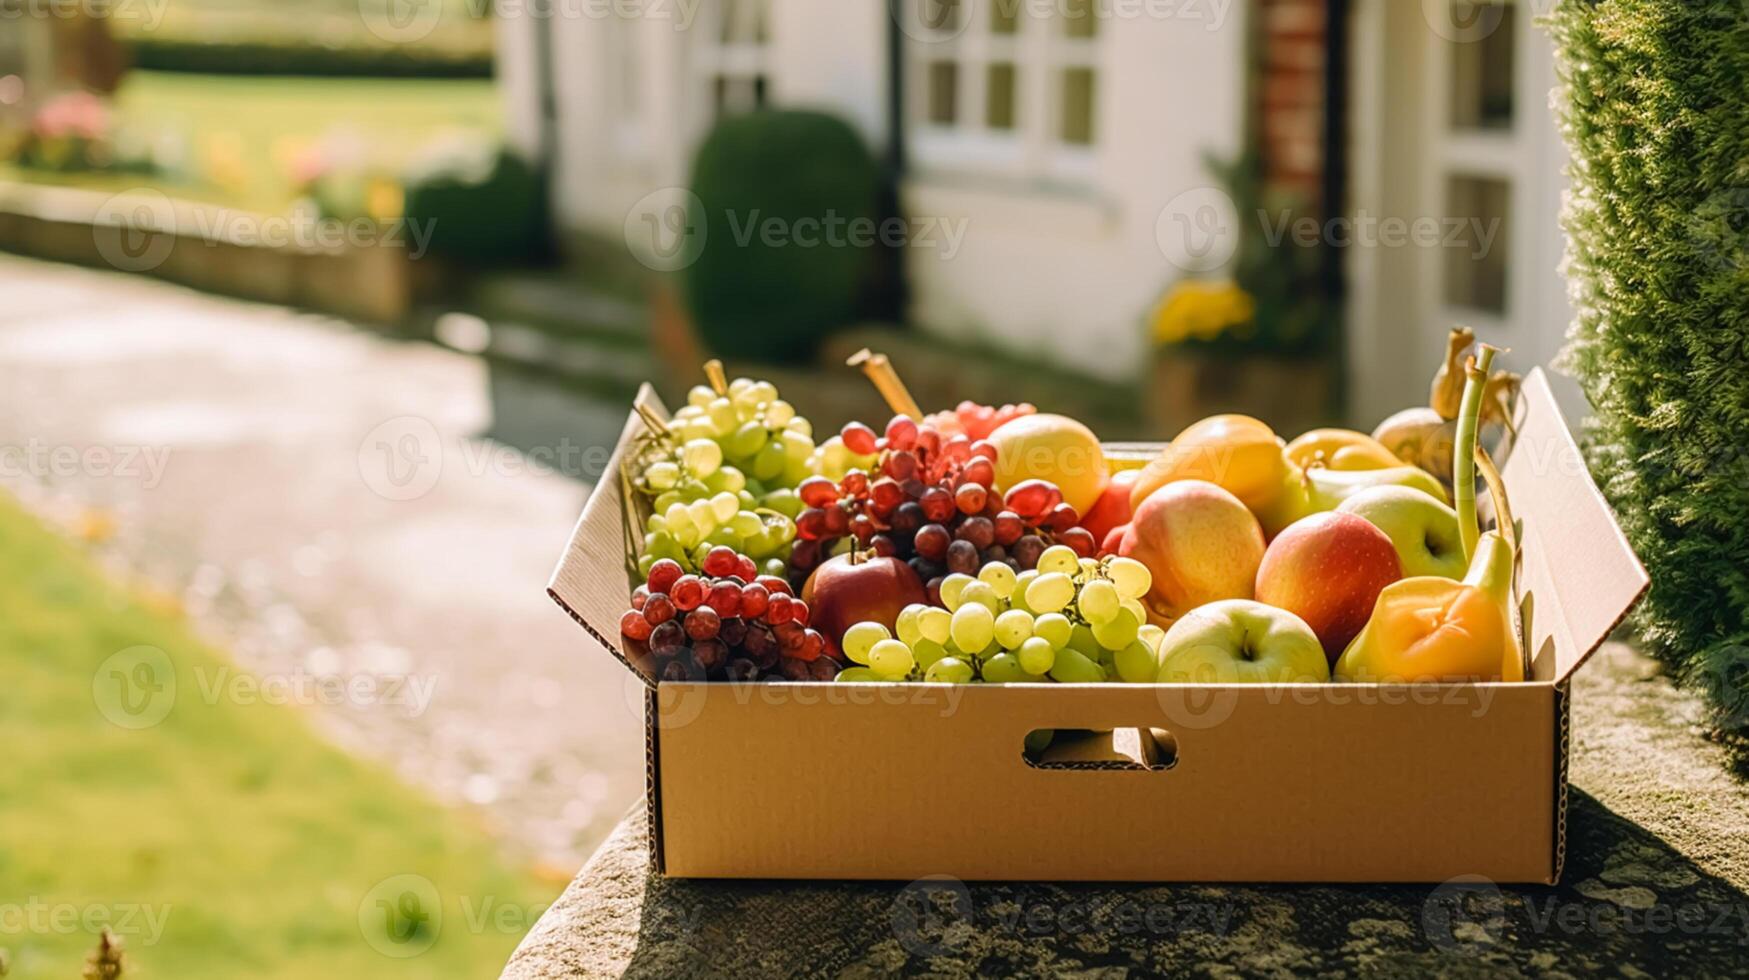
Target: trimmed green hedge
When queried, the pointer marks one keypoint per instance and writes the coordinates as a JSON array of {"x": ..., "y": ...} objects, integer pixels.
[
  {"x": 774, "y": 296},
  {"x": 1655, "y": 109},
  {"x": 281, "y": 58}
]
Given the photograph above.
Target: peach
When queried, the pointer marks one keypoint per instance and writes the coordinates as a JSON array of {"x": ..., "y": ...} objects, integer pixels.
[
  {"x": 1235, "y": 452},
  {"x": 1328, "y": 569},
  {"x": 1199, "y": 542}
]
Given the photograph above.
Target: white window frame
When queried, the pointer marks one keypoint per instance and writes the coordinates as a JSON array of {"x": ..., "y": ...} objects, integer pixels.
[
  {"x": 741, "y": 54},
  {"x": 1041, "y": 51},
  {"x": 626, "y": 87}
]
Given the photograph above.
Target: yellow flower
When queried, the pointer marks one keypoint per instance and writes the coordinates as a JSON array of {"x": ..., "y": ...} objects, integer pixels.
[
  {"x": 384, "y": 200},
  {"x": 1203, "y": 311}
]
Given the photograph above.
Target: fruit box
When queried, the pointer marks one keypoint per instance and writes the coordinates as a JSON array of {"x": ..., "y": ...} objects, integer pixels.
[{"x": 1327, "y": 783}]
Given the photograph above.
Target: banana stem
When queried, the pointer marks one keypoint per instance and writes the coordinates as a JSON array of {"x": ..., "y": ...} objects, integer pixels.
[
  {"x": 886, "y": 381},
  {"x": 713, "y": 370},
  {"x": 1463, "y": 468}
]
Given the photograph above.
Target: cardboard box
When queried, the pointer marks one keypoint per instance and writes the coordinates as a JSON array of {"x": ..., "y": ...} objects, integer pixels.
[{"x": 1332, "y": 783}]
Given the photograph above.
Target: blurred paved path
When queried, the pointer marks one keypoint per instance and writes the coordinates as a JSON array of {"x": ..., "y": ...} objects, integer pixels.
[{"x": 321, "y": 502}]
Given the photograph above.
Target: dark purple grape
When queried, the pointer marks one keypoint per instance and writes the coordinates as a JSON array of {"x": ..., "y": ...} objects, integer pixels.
[
  {"x": 1027, "y": 550},
  {"x": 962, "y": 558},
  {"x": 805, "y": 556},
  {"x": 995, "y": 553},
  {"x": 938, "y": 505},
  {"x": 758, "y": 640},
  {"x": 823, "y": 669},
  {"x": 1009, "y": 527},
  {"x": 933, "y": 588},
  {"x": 794, "y": 669},
  {"x": 681, "y": 669},
  {"x": 883, "y": 547},
  {"x": 668, "y": 639},
  {"x": 733, "y": 632},
  {"x": 907, "y": 519},
  {"x": 741, "y": 669},
  {"x": 932, "y": 541},
  {"x": 837, "y": 522},
  {"x": 710, "y": 654},
  {"x": 979, "y": 531}
]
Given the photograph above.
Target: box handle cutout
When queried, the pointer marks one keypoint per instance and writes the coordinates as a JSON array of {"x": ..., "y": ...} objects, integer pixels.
[{"x": 1109, "y": 750}]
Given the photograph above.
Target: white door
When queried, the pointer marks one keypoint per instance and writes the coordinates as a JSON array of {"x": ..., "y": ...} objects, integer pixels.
[{"x": 1458, "y": 170}]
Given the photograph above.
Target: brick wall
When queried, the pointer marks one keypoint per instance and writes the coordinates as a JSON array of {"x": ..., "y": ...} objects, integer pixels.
[{"x": 1292, "y": 52}]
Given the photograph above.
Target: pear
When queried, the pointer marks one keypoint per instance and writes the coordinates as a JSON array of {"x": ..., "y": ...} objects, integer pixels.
[
  {"x": 1318, "y": 489},
  {"x": 1491, "y": 571}
]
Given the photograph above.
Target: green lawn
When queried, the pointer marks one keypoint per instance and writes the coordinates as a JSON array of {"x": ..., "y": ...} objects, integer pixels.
[
  {"x": 236, "y": 129},
  {"x": 225, "y": 840}
]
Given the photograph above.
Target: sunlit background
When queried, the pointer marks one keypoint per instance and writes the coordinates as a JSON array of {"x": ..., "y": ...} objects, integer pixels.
[{"x": 320, "y": 312}]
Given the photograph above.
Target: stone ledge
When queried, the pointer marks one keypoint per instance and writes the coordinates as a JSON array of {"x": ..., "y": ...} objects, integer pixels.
[{"x": 1656, "y": 882}]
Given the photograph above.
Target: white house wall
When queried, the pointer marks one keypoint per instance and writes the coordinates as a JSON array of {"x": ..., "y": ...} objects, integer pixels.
[{"x": 1065, "y": 272}]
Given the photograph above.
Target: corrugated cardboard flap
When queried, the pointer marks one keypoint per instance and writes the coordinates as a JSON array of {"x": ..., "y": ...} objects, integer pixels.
[
  {"x": 592, "y": 581},
  {"x": 1578, "y": 576}
]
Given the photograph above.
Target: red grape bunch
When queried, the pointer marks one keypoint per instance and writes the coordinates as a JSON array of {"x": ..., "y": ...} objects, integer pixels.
[
  {"x": 930, "y": 503},
  {"x": 726, "y": 624}
]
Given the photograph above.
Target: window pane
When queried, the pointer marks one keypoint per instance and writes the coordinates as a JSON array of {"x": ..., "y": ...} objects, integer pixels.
[
  {"x": 1482, "y": 69},
  {"x": 941, "y": 15},
  {"x": 942, "y": 89},
  {"x": 999, "y": 96},
  {"x": 1080, "y": 18},
  {"x": 1476, "y": 245},
  {"x": 1005, "y": 16},
  {"x": 1078, "y": 106}
]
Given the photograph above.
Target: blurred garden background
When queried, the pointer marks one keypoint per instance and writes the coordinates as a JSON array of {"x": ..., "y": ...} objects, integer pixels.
[{"x": 317, "y": 315}]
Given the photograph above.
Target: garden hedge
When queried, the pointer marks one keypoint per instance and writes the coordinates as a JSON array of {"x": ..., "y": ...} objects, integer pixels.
[
  {"x": 775, "y": 296},
  {"x": 1655, "y": 109}
]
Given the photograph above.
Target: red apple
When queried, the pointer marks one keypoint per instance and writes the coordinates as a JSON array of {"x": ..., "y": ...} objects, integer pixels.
[
  {"x": 1200, "y": 544},
  {"x": 1113, "y": 506},
  {"x": 850, "y": 589},
  {"x": 1329, "y": 569}
]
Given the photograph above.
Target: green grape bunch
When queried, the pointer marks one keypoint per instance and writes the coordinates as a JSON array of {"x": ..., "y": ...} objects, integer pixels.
[
  {"x": 1072, "y": 620},
  {"x": 722, "y": 473}
]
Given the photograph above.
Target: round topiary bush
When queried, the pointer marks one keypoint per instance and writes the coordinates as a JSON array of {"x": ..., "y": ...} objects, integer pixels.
[
  {"x": 1655, "y": 109},
  {"x": 478, "y": 202},
  {"x": 788, "y": 203}
]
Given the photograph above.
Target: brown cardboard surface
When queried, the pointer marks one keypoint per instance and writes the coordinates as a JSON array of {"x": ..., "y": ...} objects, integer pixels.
[
  {"x": 1320, "y": 783},
  {"x": 591, "y": 581},
  {"x": 1578, "y": 577}
]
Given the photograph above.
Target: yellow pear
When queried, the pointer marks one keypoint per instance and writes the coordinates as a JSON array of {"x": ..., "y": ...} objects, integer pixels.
[{"x": 1341, "y": 449}]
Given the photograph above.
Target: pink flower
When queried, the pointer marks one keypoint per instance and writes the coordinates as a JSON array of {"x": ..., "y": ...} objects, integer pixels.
[{"x": 73, "y": 114}]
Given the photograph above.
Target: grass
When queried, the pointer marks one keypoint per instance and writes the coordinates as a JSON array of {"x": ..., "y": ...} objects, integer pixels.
[
  {"x": 236, "y": 129},
  {"x": 252, "y": 844}
]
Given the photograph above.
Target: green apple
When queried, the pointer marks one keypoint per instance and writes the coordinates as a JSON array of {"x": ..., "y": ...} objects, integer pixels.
[
  {"x": 1423, "y": 530},
  {"x": 1241, "y": 641}
]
